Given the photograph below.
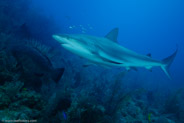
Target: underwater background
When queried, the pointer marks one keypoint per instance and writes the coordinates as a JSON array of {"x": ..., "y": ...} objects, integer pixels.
[{"x": 42, "y": 82}]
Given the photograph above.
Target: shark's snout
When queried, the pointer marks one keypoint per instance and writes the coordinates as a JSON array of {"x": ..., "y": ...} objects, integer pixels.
[
  {"x": 61, "y": 39},
  {"x": 56, "y": 37}
]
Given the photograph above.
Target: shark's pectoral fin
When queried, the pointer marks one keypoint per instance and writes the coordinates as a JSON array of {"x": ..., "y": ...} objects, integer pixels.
[
  {"x": 113, "y": 62},
  {"x": 105, "y": 57},
  {"x": 112, "y": 35}
]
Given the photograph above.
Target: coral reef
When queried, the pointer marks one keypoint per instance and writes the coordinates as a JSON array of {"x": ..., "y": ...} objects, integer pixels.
[{"x": 19, "y": 103}]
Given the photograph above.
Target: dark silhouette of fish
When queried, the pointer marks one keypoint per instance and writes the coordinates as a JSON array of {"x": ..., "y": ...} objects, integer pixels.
[{"x": 34, "y": 61}]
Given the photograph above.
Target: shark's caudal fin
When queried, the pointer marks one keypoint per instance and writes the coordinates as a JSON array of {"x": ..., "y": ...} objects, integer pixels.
[{"x": 167, "y": 63}]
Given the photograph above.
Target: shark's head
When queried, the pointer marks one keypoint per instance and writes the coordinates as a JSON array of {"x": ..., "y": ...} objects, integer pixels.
[
  {"x": 62, "y": 39},
  {"x": 74, "y": 43},
  {"x": 70, "y": 39}
]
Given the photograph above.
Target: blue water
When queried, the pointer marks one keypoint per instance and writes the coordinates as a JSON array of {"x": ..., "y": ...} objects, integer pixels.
[{"x": 47, "y": 83}]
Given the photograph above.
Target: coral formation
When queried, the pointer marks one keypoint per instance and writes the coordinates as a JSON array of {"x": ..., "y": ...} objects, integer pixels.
[{"x": 18, "y": 103}]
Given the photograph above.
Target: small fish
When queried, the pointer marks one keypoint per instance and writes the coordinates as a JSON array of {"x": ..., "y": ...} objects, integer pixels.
[{"x": 70, "y": 27}]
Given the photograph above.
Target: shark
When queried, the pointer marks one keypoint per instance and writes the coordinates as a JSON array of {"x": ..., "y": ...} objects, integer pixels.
[{"x": 105, "y": 51}]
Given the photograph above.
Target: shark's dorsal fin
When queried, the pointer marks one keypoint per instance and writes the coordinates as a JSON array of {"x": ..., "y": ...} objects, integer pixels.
[{"x": 112, "y": 35}]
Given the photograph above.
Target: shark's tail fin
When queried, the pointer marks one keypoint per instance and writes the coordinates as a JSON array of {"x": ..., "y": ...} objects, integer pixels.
[{"x": 167, "y": 63}]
